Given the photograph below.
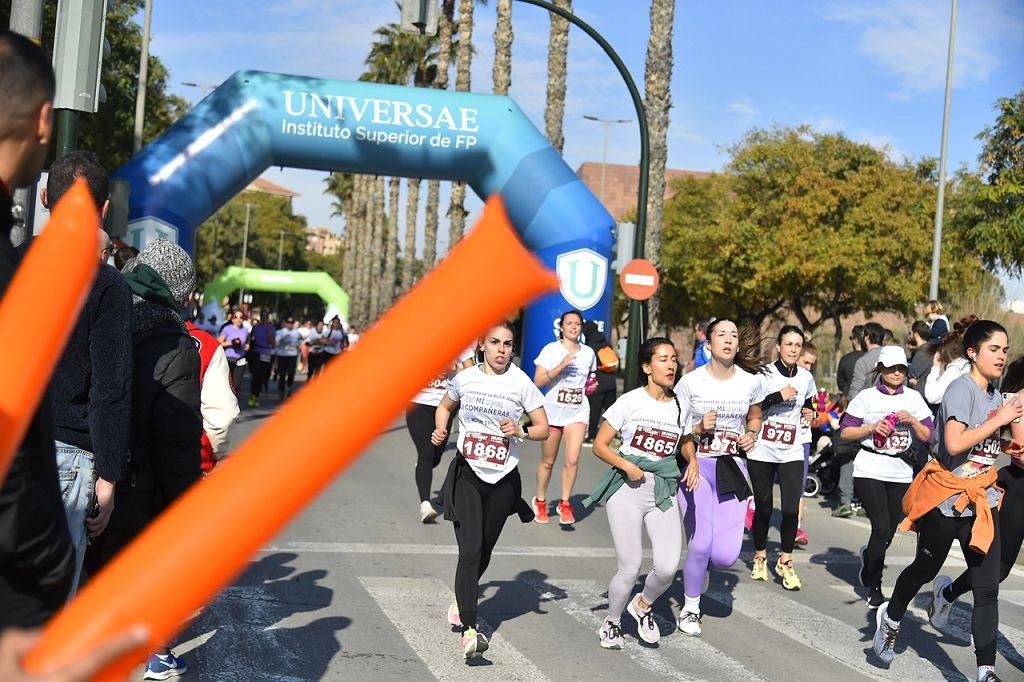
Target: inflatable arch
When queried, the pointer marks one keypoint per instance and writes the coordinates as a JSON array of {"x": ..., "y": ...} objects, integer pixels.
[
  {"x": 283, "y": 281},
  {"x": 255, "y": 120}
]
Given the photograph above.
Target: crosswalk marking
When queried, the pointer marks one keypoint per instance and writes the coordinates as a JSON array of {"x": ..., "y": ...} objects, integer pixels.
[
  {"x": 675, "y": 654},
  {"x": 827, "y": 635},
  {"x": 416, "y": 607},
  {"x": 959, "y": 624}
]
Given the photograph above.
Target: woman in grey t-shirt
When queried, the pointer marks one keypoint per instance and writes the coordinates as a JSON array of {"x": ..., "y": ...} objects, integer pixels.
[{"x": 970, "y": 418}]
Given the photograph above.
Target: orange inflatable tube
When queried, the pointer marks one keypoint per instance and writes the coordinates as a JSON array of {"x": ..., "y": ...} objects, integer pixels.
[
  {"x": 52, "y": 282},
  {"x": 255, "y": 493}
]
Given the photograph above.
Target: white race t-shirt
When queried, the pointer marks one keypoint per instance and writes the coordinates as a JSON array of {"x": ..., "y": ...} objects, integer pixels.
[
  {"x": 700, "y": 393},
  {"x": 566, "y": 400},
  {"x": 314, "y": 335},
  {"x": 648, "y": 427},
  {"x": 288, "y": 342},
  {"x": 332, "y": 341},
  {"x": 871, "y": 405},
  {"x": 784, "y": 432},
  {"x": 486, "y": 400},
  {"x": 432, "y": 394}
]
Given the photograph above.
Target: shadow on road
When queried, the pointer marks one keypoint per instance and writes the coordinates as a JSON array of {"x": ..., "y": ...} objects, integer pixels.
[{"x": 514, "y": 598}]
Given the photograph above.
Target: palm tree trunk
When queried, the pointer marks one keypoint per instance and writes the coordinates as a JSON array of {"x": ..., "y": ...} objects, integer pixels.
[
  {"x": 391, "y": 252},
  {"x": 412, "y": 209},
  {"x": 348, "y": 270},
  {"x": 445, "y": 28},
  {"x": 502, "y": 71},
  {"x": 657, "y": 82},
  {"x": 463, "y": 64},
  {"x": 430, "y": 234},
  {"x": 377, "y": 250},
  {"x": 558, "y": 54},
  {"x": 365, "y": 241}
]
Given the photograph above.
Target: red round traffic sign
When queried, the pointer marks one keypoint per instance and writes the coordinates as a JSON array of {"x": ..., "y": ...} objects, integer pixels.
[{"x": 639, "y": 279}]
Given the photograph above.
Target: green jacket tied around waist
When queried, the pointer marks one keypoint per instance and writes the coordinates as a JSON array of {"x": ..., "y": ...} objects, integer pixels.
[{"x": 666, "y": 481}]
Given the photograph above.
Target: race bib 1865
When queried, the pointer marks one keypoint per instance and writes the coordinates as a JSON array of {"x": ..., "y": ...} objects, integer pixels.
[
  {"x": 654, "y": 442},
  {"x": 485, "y": 448}
]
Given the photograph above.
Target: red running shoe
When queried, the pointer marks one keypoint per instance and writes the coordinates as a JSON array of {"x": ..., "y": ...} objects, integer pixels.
[
  {"x": 801, "y": 537},
  {"x": 540, "y": 510},
  {"x": 565, "y": 515},
  {"x": 749, "y": 521}
]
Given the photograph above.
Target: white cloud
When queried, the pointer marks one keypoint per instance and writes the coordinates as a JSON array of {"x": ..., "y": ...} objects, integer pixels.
[
  {"x": 909, "y": 39},
  {"x": 743, "y": 106}
]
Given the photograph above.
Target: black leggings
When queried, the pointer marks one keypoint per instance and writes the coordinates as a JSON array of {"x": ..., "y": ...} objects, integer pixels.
[
  {"x": 420, "y": 422},
  {"x": 1011, "y": 526},
  {"x": 762, "y": 480},
  {"x": 286, "y": 372},
  {"x": 315, "y": 364},
  {"x": 599, "y": 404},
  {"x": 260, "y": 374},
  {"x": 237, "y": 373},
  {"x": 935, "y": 535},
  {"x": 482, "y": 509},
  {"x": 883, "y": 501}
]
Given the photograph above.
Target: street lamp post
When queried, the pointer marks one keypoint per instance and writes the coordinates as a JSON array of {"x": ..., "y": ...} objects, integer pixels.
[
  {"x": 207, "y": 88},
  {"x": 140, "y": 97},
  {"x": 637, "y": 309},
  {"x": 245, "y": 248},
  {"x": 933, "y": 289},
  {"x": 604, "y": 157}
]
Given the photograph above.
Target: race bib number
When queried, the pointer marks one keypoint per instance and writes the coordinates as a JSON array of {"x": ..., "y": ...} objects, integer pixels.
[
  {"x": 986, "y": 452},
  {"x": 897, "y": 442},
  {"x": 570, "y": 396},
  {"x": 654, "y": 442},
  {"x": 718, "y": 443},
  {"x": 779, "y": 434},
  {"x": 485, "y": 448},
  {"x": 439, "y": 382},
  {"x": 264, "y": 357}
]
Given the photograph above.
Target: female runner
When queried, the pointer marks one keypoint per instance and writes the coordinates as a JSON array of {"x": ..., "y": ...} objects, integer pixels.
[
  {"x": 483, "y": 487},
  {"x": 886, "y": 420},
  {"x": 955, "y": 497},
  {"x": 640, "y": 490},
  {"x": 564, "y": 367},
  {"x": 723, "y": 399},
  {"x": 780, "y": 454}
]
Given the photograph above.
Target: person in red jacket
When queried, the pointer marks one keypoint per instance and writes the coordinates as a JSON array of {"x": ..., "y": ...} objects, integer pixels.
[{"x": 218, "y": 404}]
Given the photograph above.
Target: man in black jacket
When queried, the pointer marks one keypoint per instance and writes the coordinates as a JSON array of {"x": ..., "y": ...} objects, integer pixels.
[
  {"x": 36, "y": 555},
  {"x": 844, "y": 373}
]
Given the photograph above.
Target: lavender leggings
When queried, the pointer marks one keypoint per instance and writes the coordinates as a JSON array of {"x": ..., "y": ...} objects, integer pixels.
[{"x": 713, "y": 526}]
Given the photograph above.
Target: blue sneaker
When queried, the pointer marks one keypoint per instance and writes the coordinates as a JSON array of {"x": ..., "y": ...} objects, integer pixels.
[{"x": 164, "y": 666}]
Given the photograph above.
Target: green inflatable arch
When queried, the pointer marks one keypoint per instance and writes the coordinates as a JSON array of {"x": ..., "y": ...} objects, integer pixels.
[{"x": 282, "y": 281}]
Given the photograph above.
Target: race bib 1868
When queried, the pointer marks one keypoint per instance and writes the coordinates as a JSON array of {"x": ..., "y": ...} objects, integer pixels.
[
  {"x": 485, "y": 448},
  {"x": 654, "y": 442}
]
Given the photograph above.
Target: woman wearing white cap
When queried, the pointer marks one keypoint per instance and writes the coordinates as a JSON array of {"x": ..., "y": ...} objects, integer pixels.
[{"x": 886, "y": 420}]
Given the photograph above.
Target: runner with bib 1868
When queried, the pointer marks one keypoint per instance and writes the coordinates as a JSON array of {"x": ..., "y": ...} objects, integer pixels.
[
  {"x": 565, "y": 366},
  {"x": 483, "y": 488}
]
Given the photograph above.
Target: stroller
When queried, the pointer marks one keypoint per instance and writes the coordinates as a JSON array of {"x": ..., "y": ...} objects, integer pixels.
[{"x": 825, "y": 461}]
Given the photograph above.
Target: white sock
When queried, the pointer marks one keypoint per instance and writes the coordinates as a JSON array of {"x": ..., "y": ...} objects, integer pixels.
[
  {"x": 984, "y": 669},
  {"x": 615, "y": 621},
  {"x": 691, "y": 604}
]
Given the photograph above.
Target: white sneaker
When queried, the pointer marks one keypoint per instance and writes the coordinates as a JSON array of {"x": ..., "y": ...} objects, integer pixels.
[
  {"x": 689, "y": 623},
  {"x": 611, "y": 635},
  {"x": 939, "y": 608},
  {"x": 427, "y": 512},
  {"x": 885, "y": 635},
  {"x": 645, "y": 626}
]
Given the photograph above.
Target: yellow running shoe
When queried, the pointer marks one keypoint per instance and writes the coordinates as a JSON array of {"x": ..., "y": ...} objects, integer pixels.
[
  {"x": 760, "y": 570},
  {"x": 790, "y": 580}
]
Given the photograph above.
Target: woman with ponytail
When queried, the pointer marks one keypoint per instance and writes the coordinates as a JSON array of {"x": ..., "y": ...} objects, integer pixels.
[
  {"x": 723, "y": 400},
  {"x": 949, "y": 362}
]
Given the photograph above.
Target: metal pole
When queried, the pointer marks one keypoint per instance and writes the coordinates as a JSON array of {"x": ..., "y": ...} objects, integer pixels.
[
  {"x": 607, "y": 122},
  {"x": 245, "y": 248},
  {"x": 280, "y": 253},
  {"x": 637, "y": 326},
  {"x": 140, "y": 96},
  {"x": 67, "y": 132},
  {"x": 933, "y": 290},
  {"x": 26, "y": 19}
]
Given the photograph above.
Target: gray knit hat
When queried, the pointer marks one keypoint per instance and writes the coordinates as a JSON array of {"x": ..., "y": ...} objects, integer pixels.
[{"x": 173, "y": 264}]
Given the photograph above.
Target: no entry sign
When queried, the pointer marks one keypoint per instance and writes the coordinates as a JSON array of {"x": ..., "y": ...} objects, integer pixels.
[{"x": 639, "y": 279}]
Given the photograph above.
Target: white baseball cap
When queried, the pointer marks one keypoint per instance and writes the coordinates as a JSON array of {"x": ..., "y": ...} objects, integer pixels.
[{"x": 892, "y": 356}]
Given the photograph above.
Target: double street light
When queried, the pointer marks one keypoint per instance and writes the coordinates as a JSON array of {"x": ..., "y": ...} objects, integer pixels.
[{"x": 604, "y": 157}]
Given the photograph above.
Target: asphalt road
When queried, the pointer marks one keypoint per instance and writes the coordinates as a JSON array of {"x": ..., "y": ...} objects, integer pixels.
[{"x": 357, "y": 588}]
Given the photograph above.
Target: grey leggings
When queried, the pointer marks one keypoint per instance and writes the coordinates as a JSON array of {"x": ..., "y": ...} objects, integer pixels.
[{"x": 630, "y": 508}]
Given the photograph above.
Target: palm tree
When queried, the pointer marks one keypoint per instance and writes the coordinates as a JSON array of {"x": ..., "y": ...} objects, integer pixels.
[
  {"x": 341, "y": 187},
  {"x": 391, "y": 250},
  {"x": 558, "y": 53},
  {"x": 412, "y": 204},
  {"x": 377, "y": 249},
  {"x": 444, "y": 43},
  {"x": 658, "y": 100},
  {"x": 360, "y": 236},
  {"x": 463, "y": 64},
  {"x": 502, "y": 71}
]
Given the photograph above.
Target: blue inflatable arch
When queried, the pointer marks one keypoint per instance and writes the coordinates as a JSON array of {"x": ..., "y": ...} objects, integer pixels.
[{"x": 256, "y": 120}]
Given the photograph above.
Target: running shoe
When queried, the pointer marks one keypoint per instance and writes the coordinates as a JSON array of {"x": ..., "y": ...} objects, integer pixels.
[
  {"x": 843, "y": 511},
  {"x": 645, "y": 625},
  {"x": 875, "y": 598},
  {"x": 252, "y": 401},
  {"x": 164, "y": 667},
  {"x": 760, "y": 570},
  {"x": 859, "y": 510},
  {"x": 588, "y": 443},
  {"x": 884, "y": 642},
  {"x": 540, "y": 510},
  {"x": 565, "y": 515},
  {"x": 790, "y": 580},
  {"x": 427, "y": 511},
  {"x": 987, "y": 673},
  {"x": 473, "y": 643},
  {"x": 453, "y": 615},
  {"x": 611, "y": 635},
  {"x": 860, "y": 573},
  {"x": 801, "y": 539},
  {"x": 689, "y": 623},
  {"x": 938, "y": 607},
  {"x": 748, "y": 522}
]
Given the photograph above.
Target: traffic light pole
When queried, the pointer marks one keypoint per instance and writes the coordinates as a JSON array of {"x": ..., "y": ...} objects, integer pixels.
[{"x": 637, "y": 309}]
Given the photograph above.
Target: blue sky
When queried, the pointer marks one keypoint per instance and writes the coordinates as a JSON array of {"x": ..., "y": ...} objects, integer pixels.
[{"x": 872, "y": 69}]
